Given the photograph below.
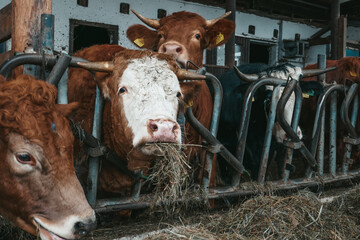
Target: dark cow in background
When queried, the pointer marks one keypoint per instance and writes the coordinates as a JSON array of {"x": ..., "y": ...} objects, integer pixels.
[
  {"x": 142, "y": 100},
  {"x": 39, "y": 189},
  {"x": 234, "y": 90},
  {"x": 347, "y": 72},
  {"x": 185, "y": 35}
]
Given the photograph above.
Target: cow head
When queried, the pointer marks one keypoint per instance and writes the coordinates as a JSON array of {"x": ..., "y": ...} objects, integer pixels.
[
  {"x": 39, "y": 189},
  {"x": 183, "y": 34},
  {"x": 145, "y": 94}
]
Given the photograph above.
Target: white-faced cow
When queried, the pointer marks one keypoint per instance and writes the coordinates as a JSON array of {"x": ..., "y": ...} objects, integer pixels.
[
  {"x": 39, "y": 189},
  {"x": 185, "y": 35},
  {"x": 142, "y": 93}
]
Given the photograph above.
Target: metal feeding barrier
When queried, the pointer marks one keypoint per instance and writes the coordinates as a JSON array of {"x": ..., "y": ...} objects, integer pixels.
[{"x": 314, "y": 156}]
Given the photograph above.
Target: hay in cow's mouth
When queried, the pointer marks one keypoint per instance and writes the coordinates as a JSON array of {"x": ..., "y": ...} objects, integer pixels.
[{"x": 172, "y": 178}]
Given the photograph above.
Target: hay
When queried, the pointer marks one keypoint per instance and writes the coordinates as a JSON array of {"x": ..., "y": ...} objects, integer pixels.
[
  {"x": 10, "y": 231},
  {"x": 300, "y": 216},
  {"x": 172, "y": 178}
]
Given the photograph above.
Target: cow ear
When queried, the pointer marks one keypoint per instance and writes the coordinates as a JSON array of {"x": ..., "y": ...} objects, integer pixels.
[
  {"x": 219, "y": 33},
  {"x": 190, "y": 91},
  {"x": 143, "y": 37},
  {"x": 67, "y": 109}
]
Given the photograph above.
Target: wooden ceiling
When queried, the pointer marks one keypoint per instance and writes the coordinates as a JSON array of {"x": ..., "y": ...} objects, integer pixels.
[{"x": 315, "y": 12}]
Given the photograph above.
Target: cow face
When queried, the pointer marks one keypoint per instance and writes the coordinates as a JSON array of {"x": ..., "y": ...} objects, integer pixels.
[
  {"x": 39, "y": 192},
  {"x": 183, "y": 34},
  {"x": 144, "y": 92}
]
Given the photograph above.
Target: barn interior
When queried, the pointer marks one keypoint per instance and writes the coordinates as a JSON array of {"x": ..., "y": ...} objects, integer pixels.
[{"x": 271, "y": 32}]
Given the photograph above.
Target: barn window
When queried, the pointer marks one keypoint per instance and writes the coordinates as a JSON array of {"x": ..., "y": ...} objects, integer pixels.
[
  {"x": 83, "y": 3},
  {"x": 276, "y": 33},
  {"x": 297, "y": 37},
  {"x": 124, "y": 8},
  {"x": 84, "y": 34},
  {"x": 161, "y": 13},
  {"x": 251, "y": 29}
]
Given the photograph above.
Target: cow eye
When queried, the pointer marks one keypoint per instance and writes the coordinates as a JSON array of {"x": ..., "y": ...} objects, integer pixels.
[
  {"x": 178, "y": 95},
  {"x": 25, "y": 158},
  {"x": 122, "y": 90},
  {"x": 197, "y": 36}
]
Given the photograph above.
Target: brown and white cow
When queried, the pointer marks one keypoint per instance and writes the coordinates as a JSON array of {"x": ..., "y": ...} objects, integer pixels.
[
  {"x": 39, "y": 189},
  {"x": 142, "y": 93},
  {"x": 185, "y": 36}
]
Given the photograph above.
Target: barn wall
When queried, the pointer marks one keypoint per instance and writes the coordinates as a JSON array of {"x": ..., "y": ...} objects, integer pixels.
[{"x": 108, "y": 12}]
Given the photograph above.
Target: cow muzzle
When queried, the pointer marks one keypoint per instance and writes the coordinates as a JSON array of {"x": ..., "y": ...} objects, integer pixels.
[{"x": 177, "y": 50}]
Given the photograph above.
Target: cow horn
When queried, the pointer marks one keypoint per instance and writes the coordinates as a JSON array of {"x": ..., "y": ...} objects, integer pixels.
[
  {"x": 148, "y": 21},
  {"x": 314, "y": 72},
  {"x": 246, "y": 77},
  {"x": 182, "y": 74},
  {"x": 210, "y": 23},
  {"x": 97, "y": 66}
]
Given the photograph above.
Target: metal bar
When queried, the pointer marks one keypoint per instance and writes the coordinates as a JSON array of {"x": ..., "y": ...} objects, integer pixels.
[
  {"x": 352, "y": 95},
  {"x": 295, "y": 123},
  {"x": 59, "y": 69},
  {"x": 92, "y": 180},
  {"x": 204, "y": 132},
  {"x": 218, "y": 95},
  {"x": 106, "y": 205},
  {"x": 245, "y": 118},
  {"x": 320, "y": 153},
  {"x": 267, "y": 141},
  {"x": 36, "y": 59},
  {"x": 332, "y": 140},
  {"x": 290, "y": 133}
]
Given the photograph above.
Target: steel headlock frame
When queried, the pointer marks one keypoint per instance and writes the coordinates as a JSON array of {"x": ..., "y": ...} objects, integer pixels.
[{"x": 215, "y": 147}]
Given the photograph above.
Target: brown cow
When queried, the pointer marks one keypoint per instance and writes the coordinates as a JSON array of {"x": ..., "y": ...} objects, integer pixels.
[
  {"x": 39, "y": 189},
  {"x": 185, "y": 35},
  {"x": 142, "y": 95},
  {"x": 347, "y": 71}
]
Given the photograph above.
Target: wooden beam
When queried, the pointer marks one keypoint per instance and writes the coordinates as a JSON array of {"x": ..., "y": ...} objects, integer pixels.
[
  {"x": 5, "y": 23},
  {"x": 26, "y": 24},
  {"x": 319, "y": 41},
  {"x": 335, "y": 14},
  {"x": 320, "y": 32},
  {"x": 342, "y": 37},
  {"x": 230, "y": 45}
]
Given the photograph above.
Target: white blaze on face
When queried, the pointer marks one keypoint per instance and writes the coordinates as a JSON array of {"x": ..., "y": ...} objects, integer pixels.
[
  {"x": 294, "y": 73},
  {"x": 152, "y": 89}
]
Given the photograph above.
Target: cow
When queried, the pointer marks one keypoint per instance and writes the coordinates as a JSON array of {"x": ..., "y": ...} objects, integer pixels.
[
  {"x": 185, "y": 35},
  {"x": 142, "y": 99},
  {"x": 235, "y": 84},
  {"x": 347, "y": 72},
  {"x": 39, "y": 190}
]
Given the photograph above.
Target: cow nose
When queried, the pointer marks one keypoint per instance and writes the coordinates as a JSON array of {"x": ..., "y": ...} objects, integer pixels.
[
  {"x": 83, "y": 228},
  {"x": 163, "y": 130},
  {"x": 171, "y": 49}
]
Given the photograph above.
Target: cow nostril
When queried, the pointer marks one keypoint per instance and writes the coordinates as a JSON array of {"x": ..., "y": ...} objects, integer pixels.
[
  {"x": 153, "y": 127},
  {"x": 175, "y": 127},
  {"x": 81, "y": 229},
  {"x": 164, "y": 49},
  {"x": 178, "y": 50}
]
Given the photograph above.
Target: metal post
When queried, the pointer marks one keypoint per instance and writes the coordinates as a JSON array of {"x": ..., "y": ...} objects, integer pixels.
[{"x": 94, "y": 161}]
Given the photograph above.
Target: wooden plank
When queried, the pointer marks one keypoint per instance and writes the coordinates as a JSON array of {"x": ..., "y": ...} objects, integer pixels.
[
  {"x": 319, "y": 41},
  {"x": 4, "y": 56},
  {"x": 5, "y": 20},
  {"x": 26, "y": 25},
  {"x": 320, "y": 32}
]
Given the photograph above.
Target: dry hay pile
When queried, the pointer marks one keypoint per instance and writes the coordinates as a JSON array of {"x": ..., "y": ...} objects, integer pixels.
[
  {"x": 172, "y": 179},
  {"x": 9, "y": 231},
  {"x": 301, "y": 216}
]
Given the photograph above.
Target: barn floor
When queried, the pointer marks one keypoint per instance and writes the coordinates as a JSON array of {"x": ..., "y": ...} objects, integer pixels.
[{"x": 303, "y": 215}]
